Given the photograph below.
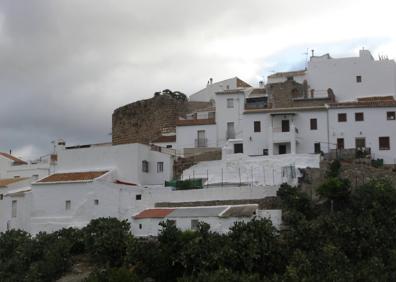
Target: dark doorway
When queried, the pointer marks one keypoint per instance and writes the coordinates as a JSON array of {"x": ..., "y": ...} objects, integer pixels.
[
  {"x": 317, "y": 148},
  {"x": 340, "y": 143},
  {"x": 285, "y": 125},
  {"x": 238, "y": 148},
  {"x": 282, "y": 149}
]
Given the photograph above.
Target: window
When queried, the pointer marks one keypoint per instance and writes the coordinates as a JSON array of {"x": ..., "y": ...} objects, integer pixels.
[
  {"x": 230, "y": 130},
  {"x": 230, "y": 103},
  {"x": 257, "y": 126},
  {"x": 96, "y": 202},
  {"x": 360, "y": 142},
  {"x": 391, "y": 115},
  {"x": 160, "y": 166},
  {"x": 201, "y": 139},
  {"x": 285, "y": 125},
  {"x": 238, "y": 148},
  {"x": 314, "y": 124},
  {"x": 68, "y": 205},
  {"x": 342, "y": 117},
  {"x": 194, "y": 224},
  {"x": 359, "y": 116},
  {"x": 358, "y": 78},
  {"x": 340, "y": 143},
  {"x": 145, "y": 166},
  {"x": 384, "y": 143},
  {"x": 289, "y": 78},
  {"x": 317, "y": 149},
  {"x": 265, "y": 152},
  {"x": 169, "y": 146},
  {"x": 1, "y": 197},
  {"x": 140, "y": 226},
  {"x": 14, "y": 208},
  {"x": 138, "y": 197},
  {"x": 35, "y": 176}
]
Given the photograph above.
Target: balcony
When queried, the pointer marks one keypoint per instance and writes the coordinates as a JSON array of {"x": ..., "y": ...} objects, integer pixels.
[{"x": 201, "y": 143}]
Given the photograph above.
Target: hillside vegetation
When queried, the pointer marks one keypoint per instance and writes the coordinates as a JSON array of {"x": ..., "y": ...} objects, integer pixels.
[{"x": 349, "y": 235}]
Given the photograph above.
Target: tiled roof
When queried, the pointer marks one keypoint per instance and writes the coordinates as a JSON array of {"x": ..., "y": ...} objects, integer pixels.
[
  {"x": 240, "y": 211},
  {"x": 288, "y": 73},
  {"x": 8, "y": 181},
  {"x": 153, "y": 213},
  {"x": 72, "y": 177},
  {"x": 12, "y": 158},
  {"x": 376, "y": 98},
  {"x": 165, "y": 139},
  {"x": 366, "y": 103},
  {"x": 187, "y": 122}
]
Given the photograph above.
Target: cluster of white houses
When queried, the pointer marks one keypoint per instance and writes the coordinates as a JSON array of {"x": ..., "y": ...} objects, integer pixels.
[{"x": 346, "y": 103}]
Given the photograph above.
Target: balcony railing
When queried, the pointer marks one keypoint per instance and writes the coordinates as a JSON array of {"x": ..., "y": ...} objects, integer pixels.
[{"x": 201, "y": 143}]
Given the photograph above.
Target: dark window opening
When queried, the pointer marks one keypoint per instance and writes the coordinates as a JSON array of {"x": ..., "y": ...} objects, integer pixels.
[
  {"x": 257, "y": 126},
  {"x": 360, "y": 142},
  {"x": 265, "y": 152},
  {"x": 391, "y": 115},
  {"x": 317, "y": 148},
  {"x": 238, "y": 148},
  {"x": 282, "y": 149},
  {"x": 285, "y": 125},
  {"x": 145, "y": 166},
  {"x": 342, "y": 117},
  {"x": 138, "y": 197},
  {"x": 384, "y": 143},
  {"x": 359, "y": 116},
  {"x": 340, "y": 143},
  {"x": 358, "y": 78},
  {"x": 314, "y": 124}
]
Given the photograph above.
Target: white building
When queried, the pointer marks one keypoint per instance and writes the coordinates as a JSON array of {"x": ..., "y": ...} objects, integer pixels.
[{"x": 208, "y": 93}]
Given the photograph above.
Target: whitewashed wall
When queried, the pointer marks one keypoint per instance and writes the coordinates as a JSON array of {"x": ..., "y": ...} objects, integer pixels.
[
  {"x": 125, "y": 159},
  {"x": 186, "y": 135},
  {"x": 225, "y": 115},
  {"x": 208, "y": 93},
  {"x": 375, "y": 125},
  {"x": 378, "y": 77},
  {"x": 255, "y": 142}
]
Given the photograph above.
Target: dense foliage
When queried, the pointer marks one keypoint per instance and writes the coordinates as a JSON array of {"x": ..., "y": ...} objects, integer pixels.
[{"x": 352, "y": 241}]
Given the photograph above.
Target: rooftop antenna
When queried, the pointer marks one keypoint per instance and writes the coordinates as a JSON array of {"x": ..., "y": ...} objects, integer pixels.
[{"x": 313, "y": 52}]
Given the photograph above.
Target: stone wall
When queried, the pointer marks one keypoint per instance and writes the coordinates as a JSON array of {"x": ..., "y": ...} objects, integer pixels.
[{"x": 142, "y": 121}]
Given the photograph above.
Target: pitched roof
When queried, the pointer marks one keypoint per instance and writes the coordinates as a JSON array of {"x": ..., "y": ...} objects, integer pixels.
[
  {"x": 153, "y": 213},
  {"x": 197, "y": 212},
  {"x": 187, "y": 122},
  {"x": 7, "y": 181},
  {"x": 165, "y": 139},
  {"x": 287, "y": 73},
  {"x": 240, "y": 211},
  {"x": 72, "y": 177},
  {"x": 12, "y": 158}
]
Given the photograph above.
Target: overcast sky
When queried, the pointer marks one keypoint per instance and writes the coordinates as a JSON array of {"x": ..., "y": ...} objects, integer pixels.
[{"x": 65, "y": 65}]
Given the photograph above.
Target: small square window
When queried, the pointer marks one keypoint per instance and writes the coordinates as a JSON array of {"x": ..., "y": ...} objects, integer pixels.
[
  {"x": 257, "y": 126},
  {"x": 384, "y": 143},
  {"x": 96, "y": 202},
  {"x": 160, "y": 166},
  {"x": 138, "y": 197},
  {"x": 359, "y": 116},
  {"x": 265, "y": 152},
  {"x": 230, "y": 103},
  {"x": 68, "y": 205},
  {"x": 391, "y": 115},
  {"x": 169, "y": 146},
  {"x": 342, "y": 117},
  {"x": 314, "y": 124},
  {"x": 358, "y": 78}
]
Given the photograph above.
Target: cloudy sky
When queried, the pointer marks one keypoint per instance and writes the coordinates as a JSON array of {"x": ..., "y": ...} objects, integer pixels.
[{"x": 65, "y": 65}]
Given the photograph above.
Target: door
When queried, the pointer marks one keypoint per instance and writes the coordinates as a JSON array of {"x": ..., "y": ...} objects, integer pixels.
[
  {"x": 340, "y": 143},
  {"x": 317, "y": 148},
  {"x": 282, "y": 149},
  {"x": 201, "y": 138},
  {"x": 230, "y": 130},
  {"x": 285, "y": 125},
  {"x": 238, "y": 148},
  {"x": 360, "y": 143}
]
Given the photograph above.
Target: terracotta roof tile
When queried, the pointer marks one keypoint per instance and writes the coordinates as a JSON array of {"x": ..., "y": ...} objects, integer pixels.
[
  {"x": 7, "y": 181},
  {"x": 365, "y": 104},
  {"x": 165, "y": 139},
  {"x": 73, "y": 176},
  {"x": 186, "y": 122},
  {"x": 12, "y": 158},
  {"x": 153, "y": 213}
]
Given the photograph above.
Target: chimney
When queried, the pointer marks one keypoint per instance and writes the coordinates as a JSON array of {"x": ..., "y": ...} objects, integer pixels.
[
  {"x": 210, "y": 80},
  {"x": 261, "y": 84}
]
